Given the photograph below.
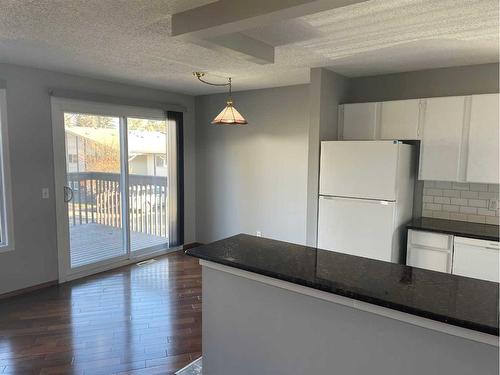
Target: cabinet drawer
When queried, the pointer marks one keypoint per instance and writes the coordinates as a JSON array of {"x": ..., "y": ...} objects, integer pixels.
[
  {"x": 430, "y": 239},
  {"x": 431, "y": 259},
  {"x": 477, "y": 242}
]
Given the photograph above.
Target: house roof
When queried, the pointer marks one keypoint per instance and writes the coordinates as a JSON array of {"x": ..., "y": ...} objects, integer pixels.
[{"x": 139, "y": 142}]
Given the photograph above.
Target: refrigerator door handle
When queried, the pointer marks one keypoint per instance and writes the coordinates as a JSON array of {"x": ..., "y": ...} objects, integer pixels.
[{"x": 374, "y": 201}]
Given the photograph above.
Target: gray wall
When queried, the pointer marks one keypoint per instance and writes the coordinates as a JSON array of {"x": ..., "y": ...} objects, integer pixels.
[
  {"x": 34, "y": 259},
  {"x": 464, "y": 80},
  {"x": 327, "y": 90},
  {"x": 252, "y": 328},
  {"x": 254, "y": 177}
]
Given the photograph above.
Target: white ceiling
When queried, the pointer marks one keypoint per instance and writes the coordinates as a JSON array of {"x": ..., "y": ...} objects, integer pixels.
[{"x": 129, "y": 41}]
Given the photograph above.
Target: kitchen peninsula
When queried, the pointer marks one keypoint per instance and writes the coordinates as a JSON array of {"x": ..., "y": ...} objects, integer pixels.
[{"x": 273, "y": 307}]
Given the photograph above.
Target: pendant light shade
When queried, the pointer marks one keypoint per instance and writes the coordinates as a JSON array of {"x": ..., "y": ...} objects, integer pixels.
[{"x": 229, "y": 116}]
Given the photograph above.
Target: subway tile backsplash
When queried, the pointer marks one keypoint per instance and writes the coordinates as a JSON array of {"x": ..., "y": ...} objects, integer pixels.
[{"x": 476, "y": 203}]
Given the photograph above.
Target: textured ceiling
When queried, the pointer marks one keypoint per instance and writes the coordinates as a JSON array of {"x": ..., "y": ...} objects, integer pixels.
[
  {"x": 377, "y": 37},
  {"x": 127, "y": 40}
]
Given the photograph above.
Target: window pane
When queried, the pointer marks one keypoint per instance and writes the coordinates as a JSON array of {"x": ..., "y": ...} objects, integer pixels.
[
  {"x": 147, "y": 161},
  {"x": 93, "y": 170}
]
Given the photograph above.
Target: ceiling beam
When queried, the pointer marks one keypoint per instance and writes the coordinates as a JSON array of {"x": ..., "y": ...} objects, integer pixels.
[
  {"x": 218, "y": 25},
  {"x": 230, "y": 16},
  {"x": 243, "y": 46},
  {"x": 237, "y": 45}
]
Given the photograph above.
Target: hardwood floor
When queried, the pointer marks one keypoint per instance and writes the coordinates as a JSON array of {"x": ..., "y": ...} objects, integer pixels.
[{"x": 133, "y": 320}]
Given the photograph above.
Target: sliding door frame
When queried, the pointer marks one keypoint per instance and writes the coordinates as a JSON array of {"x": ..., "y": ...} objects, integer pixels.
[{"x": 174, "y": 213}]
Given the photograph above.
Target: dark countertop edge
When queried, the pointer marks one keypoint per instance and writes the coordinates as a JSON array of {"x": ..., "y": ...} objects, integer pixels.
[
  {"x": 391, "y": 305},
  {"x": 417, "y": 224},
  {"x": 454, "y": 233}
]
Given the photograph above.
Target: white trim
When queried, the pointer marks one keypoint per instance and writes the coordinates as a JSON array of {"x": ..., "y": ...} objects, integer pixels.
[
  {"x": 172, "y": 157},
  {"x": 360, "y": 305},
  {"x": 6, "y": 211},
  {"x": 59, "y": 107},
  {"x": 59, "y": 150},
  {"x": 124, "y": 185},
  {"x": 105, "y": 109},
  {"x": 118, "y": 100},
  {"x": 119, "y": 261},
  {"x": 115, "y": 264}
]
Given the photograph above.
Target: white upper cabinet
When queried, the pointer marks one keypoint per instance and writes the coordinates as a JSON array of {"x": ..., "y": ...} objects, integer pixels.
[
  {"x": 440, "y": 150},
  {"x": 359, "y": 121},
  {"x": 483, "y": 155},
  {"x": 459, "y": 134},
  {"x": 399, "y": 119}
]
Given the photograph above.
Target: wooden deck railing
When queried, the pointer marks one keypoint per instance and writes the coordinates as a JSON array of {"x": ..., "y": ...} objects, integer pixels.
[{"x": 96, "y": 199}]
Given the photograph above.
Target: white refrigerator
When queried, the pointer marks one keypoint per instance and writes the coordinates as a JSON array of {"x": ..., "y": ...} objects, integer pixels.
[{"x": 365, "y": 197}]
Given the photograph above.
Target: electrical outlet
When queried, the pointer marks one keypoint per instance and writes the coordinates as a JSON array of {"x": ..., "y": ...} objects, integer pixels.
[
  {"x": 493, "y": 204},
  {"x": 45, "y": 193},
  {"x": 258, "y": 233}
]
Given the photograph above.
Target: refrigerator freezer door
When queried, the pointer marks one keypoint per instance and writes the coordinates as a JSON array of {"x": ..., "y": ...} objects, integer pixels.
[
  {"x": 357, "y": 227},
  {"x": 361, "y": 169}
]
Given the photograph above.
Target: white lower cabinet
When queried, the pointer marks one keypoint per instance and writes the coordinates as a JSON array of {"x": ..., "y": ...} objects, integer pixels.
[
  {"x": 462, "y": 256},
  {"x": 431, "y": 259},
  {"x": 476, "y": 258},
  {"x": 432, "y": 251}
]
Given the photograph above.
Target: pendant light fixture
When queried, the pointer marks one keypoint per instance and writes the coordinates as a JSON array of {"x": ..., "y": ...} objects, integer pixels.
[{"x": 229, "y": 115}]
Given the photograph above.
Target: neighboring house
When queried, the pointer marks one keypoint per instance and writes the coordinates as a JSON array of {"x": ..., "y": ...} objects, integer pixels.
[{"x": 146, "y": 149}]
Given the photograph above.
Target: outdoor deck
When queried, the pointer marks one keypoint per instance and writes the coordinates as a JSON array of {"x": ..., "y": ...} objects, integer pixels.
[{"x": 94, "y": 242}]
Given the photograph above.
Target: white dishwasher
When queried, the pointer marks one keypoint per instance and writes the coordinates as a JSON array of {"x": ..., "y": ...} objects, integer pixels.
[{"x": 476, "y": 258}]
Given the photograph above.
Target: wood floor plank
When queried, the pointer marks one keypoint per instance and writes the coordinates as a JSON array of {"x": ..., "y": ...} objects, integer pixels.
[{"x": 133, "y": 320}]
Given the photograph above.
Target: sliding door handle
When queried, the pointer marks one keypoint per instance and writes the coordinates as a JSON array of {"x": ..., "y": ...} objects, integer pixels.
[{"x": 68, "y": 194}]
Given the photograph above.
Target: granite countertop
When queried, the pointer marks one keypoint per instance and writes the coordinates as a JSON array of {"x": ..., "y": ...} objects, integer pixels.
[
  {"x": 452, "y": 299},
  {"x": 486, "y": 232}
]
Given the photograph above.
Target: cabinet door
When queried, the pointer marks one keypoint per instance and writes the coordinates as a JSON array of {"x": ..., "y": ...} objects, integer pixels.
[
  {"x": 360, "y": 121},
  {"x": 482, "y": 161},
  {"x": 476, "y": 258},
  {"x": 442, "y": 139},
  {"x": 399, "y": 119}
]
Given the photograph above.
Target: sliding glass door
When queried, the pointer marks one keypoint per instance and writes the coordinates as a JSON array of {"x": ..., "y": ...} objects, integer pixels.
[
  {"x": 93, "y": 188},
  {"x": 119, "y": 184},
  {"x": 147, "y": 179}
]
